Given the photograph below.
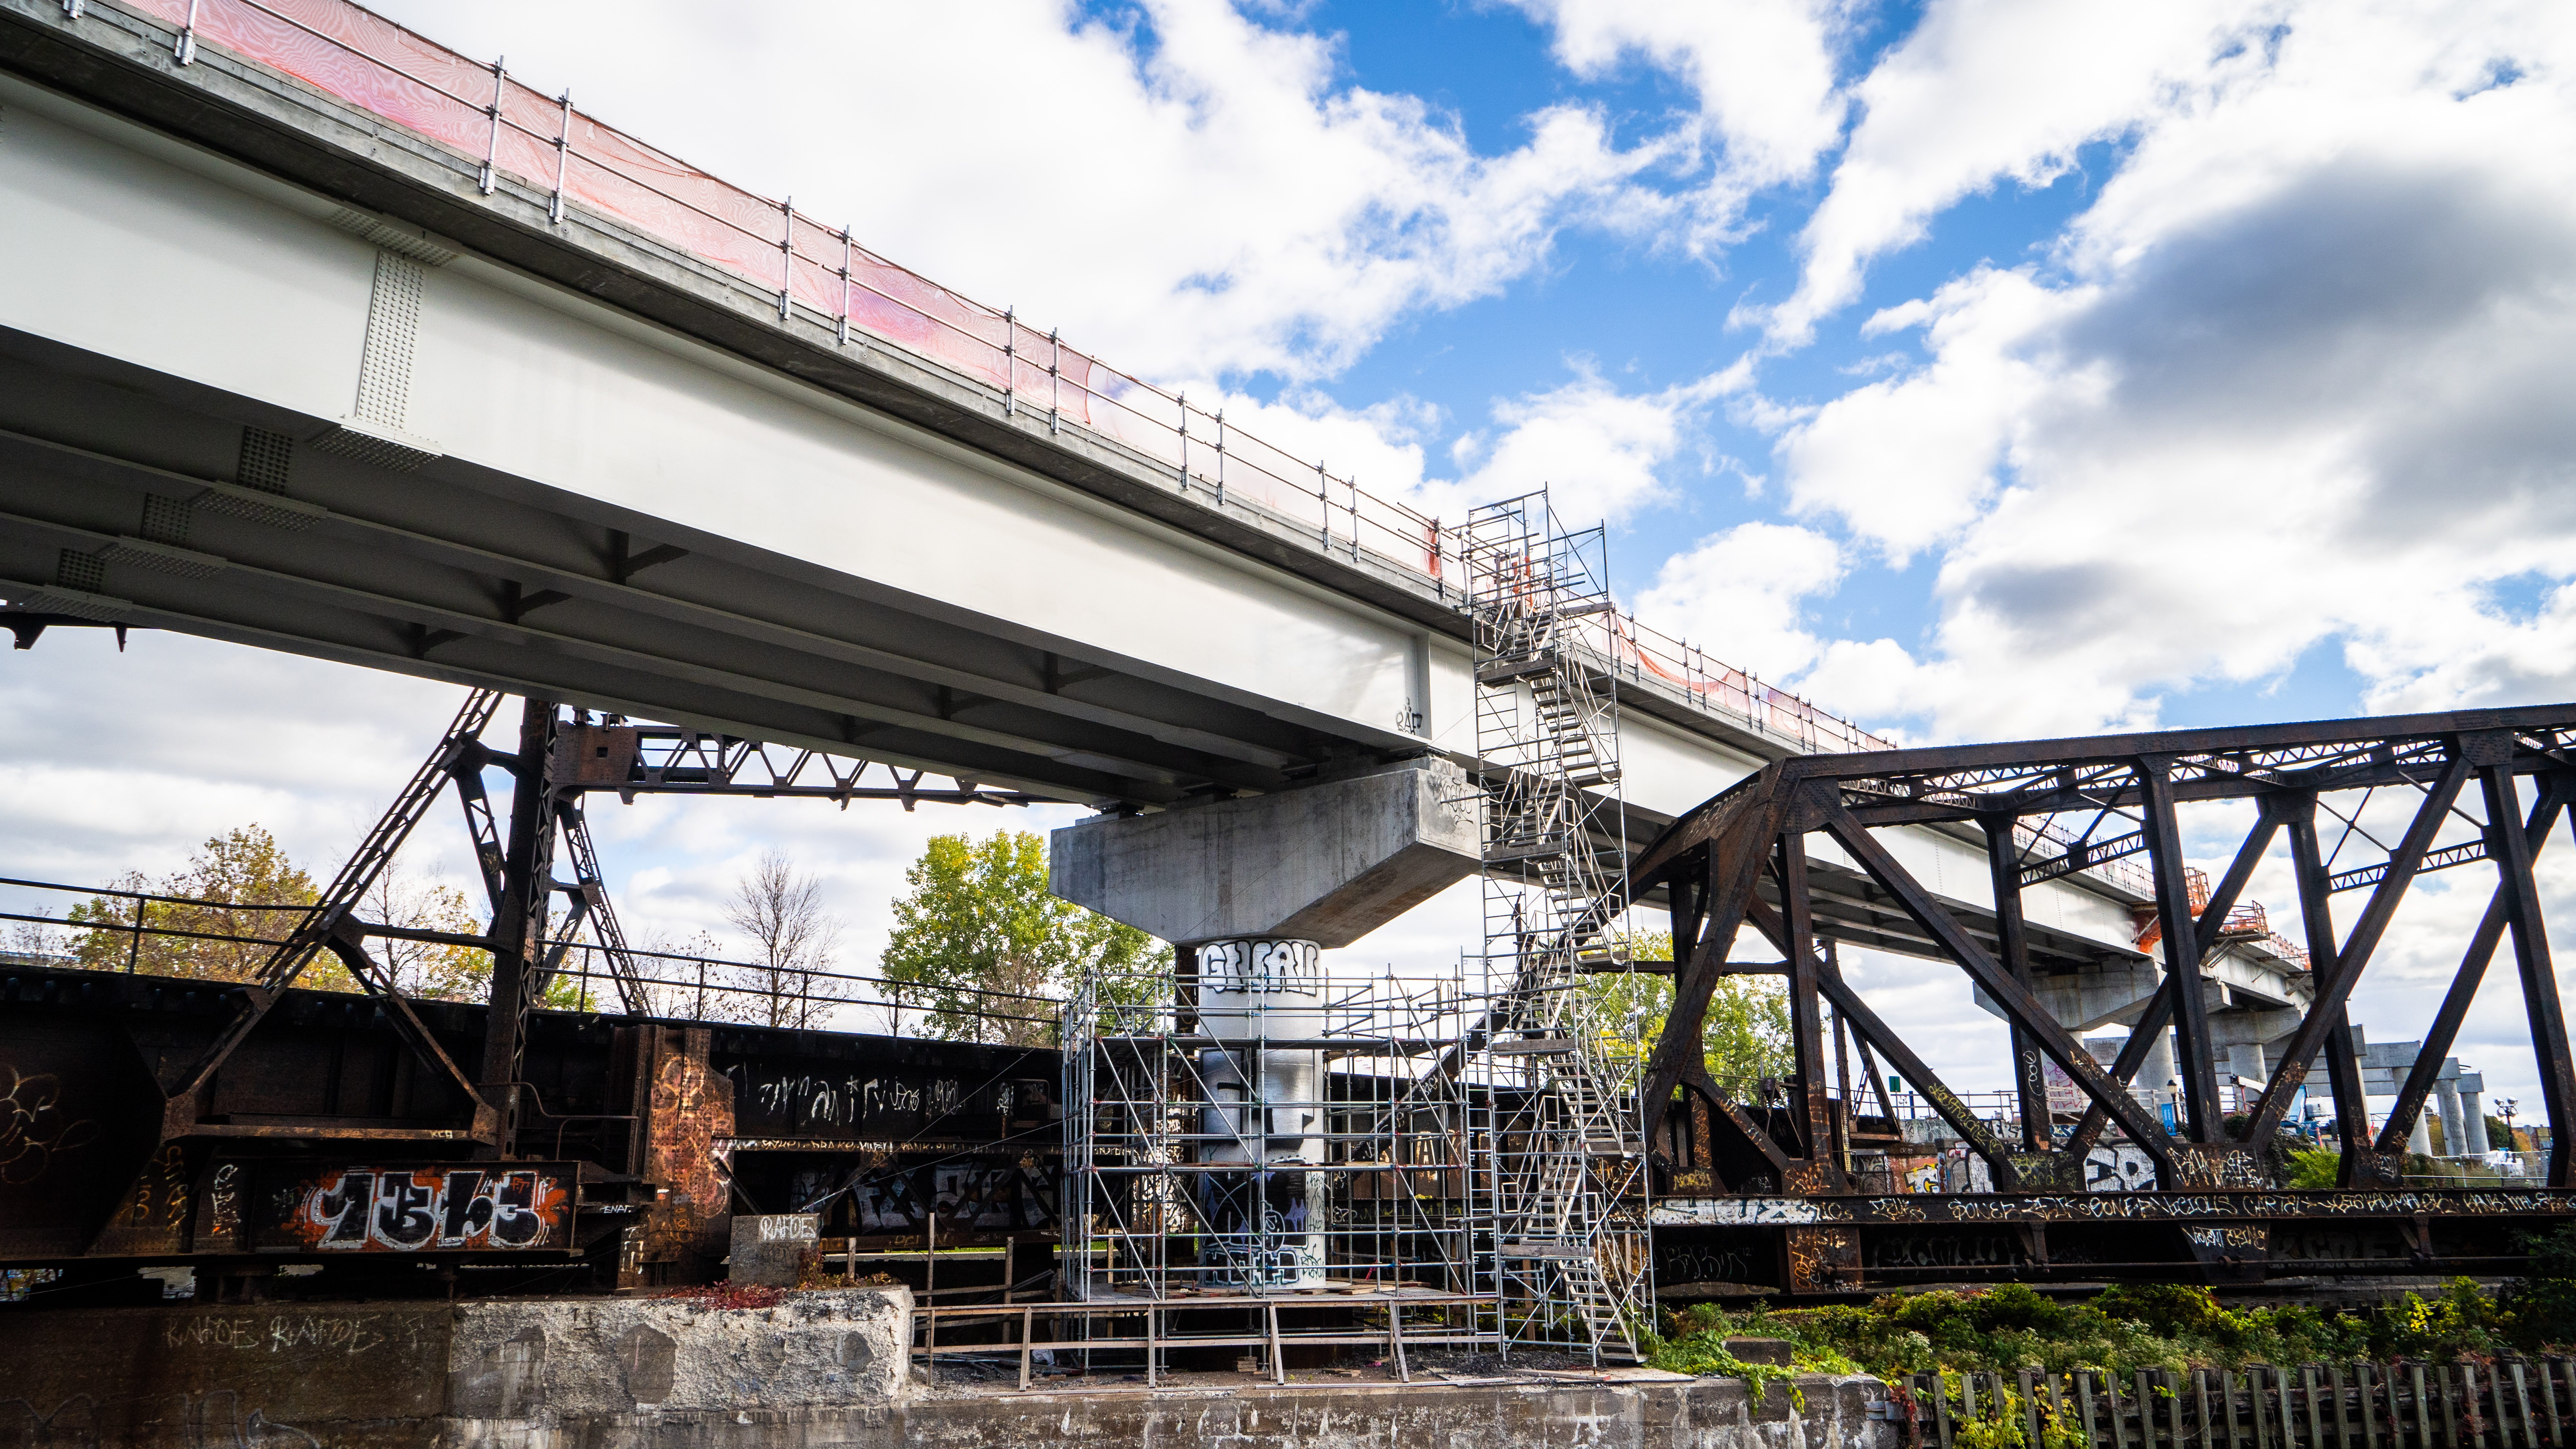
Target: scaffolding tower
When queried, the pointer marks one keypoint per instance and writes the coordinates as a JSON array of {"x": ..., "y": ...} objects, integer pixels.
[
  {"x": 1461, "y": 1160},
  {"x": 1249, "y": 1137},
  {"x": 1564, "y": 1185}
]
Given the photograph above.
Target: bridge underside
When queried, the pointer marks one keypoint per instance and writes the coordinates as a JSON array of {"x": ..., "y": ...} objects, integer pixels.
[{"x": 117, "y": 500}]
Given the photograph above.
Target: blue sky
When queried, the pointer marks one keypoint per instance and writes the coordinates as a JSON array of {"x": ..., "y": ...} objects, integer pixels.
[{"x": 1980, "y": 368}]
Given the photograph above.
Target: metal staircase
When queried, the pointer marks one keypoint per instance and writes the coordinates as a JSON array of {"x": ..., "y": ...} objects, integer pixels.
[{"x": 1566, "y": 1195}]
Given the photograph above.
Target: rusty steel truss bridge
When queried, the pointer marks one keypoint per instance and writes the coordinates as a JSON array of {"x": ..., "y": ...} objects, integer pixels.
[{"x": 2368, "y": 808}]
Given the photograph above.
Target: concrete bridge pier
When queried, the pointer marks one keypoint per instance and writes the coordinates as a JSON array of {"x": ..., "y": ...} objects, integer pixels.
[
  {"x": 1250, "y": 891},
  {"x": 1266, "y": 1112}
]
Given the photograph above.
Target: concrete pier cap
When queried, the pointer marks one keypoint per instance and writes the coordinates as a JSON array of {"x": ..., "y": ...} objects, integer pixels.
[{"x": 1328, "y": 862}]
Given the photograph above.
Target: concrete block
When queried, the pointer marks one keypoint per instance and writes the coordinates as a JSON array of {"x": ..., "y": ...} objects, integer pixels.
[
  {"x": 1775, "y": 1351},
  {"x": 577, "y": 1360},
  {"x": 1327, "y": 863},
  {"x": 769, "y": 1249},
  {"x": 525, "y": 1372}
]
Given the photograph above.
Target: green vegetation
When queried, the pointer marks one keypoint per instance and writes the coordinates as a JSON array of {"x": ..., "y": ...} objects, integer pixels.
[
  {"x": 1697, "y": 1345},
  {"x": 228, "y": 875},
  {"x": 1745, "y": 1035},
  {"x": 2135, "y": 1326},
  {"x": 220, "y": 932},
  {"x": 978, "y": 918}
]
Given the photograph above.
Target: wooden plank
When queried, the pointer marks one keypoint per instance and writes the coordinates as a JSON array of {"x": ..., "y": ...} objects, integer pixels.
[
  {"x": 2200, "y": 1392},
  {"x": 2028, "y": 1380},
  {"x": 2336, "y": 1375},
  {"x": 2549, "y": 1400},
  {"x": 2521, "y": 1404},
  {"x": 1028, "y": 1317},
  {"x": 2369, "y": 1421},
  {"x": 1278, "y": 1361},
  {"x": 1941, "y": 1408},
  {"x": 2316, "y": 1423}
]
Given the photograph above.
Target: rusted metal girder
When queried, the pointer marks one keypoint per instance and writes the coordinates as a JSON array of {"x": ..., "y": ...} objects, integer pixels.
[
  {"x": 1711, "y": 861},
  {"x": 642, "y": 1137}
]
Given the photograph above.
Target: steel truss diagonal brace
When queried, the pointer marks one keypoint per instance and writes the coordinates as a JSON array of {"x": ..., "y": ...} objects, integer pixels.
[
  {"x": 2354, "y": 954},
  {"x": 2511, "y": 851},
  {"x": 2454, "y": 1011},
  {"x": 590, "y": 901},
  {"x": 2021, "y": 1008},
  {"x": 1734, "y": 869},
  {"x": 2275, "y": 810},
  {"x": 2195, "y": 1056},
  {"x": 1875, "y": 1032},
  {"x": 327, "y": 928}
]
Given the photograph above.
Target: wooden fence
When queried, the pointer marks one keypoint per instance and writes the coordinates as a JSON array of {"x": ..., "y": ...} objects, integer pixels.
[{"x": 2506, "y": 1404}]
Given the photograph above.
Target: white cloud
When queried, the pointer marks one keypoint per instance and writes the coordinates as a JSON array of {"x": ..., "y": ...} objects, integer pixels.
[
  {"x": 1600, "y": 452},
  {"x": 2301, "y": 384},
  {"x": 1198, "y": 193},
  {"x": 1907, "y": 460},
  {"x": 1763, "y": 72},
  {"x": 1984, "y": 91},
  {"x": 1741, "y": 594}
]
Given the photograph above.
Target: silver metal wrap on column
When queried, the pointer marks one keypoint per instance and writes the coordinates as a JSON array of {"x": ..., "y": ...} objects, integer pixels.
[{"x": 1265, "y": 1111}]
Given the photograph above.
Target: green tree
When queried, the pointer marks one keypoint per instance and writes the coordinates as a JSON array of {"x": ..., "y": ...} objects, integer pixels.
[
  {"x": 977, "y": 917},
  {"x": 1744, "y": 1037},
  {"x": 222, "y": 883},
  {"x": 217, "y": 931}
]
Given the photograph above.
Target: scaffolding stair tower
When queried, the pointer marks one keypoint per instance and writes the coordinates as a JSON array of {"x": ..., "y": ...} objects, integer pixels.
[{"x": 1566, "y": 1199}]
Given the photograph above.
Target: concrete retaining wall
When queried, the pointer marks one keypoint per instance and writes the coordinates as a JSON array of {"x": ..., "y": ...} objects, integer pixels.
[
  {"x": 1699, "y": 1414},
  {"x": 526, "y": 1374},
  {"x": 819, "y": 1371}
]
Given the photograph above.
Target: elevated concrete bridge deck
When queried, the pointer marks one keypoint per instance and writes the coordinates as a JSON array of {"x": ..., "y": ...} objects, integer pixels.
[{"x": 276, "y": 370}]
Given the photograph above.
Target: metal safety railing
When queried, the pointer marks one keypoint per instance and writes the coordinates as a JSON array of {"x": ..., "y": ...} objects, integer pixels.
[
  {"x": 148, "y": 933},
  {"x": 506, "y": 131}
]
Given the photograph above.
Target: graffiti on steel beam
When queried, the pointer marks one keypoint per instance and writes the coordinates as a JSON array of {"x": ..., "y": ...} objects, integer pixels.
[
  {"x": 422, "y": 1209},
  {"x": 1003, "y": 1196},
  {"x": 810, "y": 1102},
  {"x": 153, "y": 1210},
  {"x": 70, "y": 1424},
  {"x": 2111, "y": 1207},
  {"x": 34, "y": 1127},
  {"x": 2228, "y": 1238},
  {"x": 2119, "y": 1168}
]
